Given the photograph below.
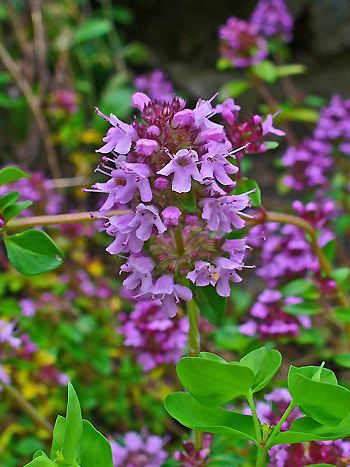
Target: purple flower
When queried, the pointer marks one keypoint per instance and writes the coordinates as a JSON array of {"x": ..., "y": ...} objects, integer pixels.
[
  {"x": 136, "y": 450},
  {"x": 269, "y": 320},
  {"x": 272, "y": 18},
  {"x": 156, "y": 339},
  {"x": 119, "y": 137},
  {"x": 28, "y": 307},
  {"x": 241, "y": 44},
  {"x": 140, "y": 269},
  {"x": 221, "y": 213},
  {"x": 169, "y": 294},
  {"x": 203, "y": 274},
  {"x": 7, "y": 331},
  {"x": 171, "y": 215},
  {"x": 215, "y": 165},
  {"x": 226, "y": 272},
  {"x": 183, "y": 166},
  {"x": 155, "y": 85},
  {"x": 145, "y": 219},
  {"x": 140, "y": 100},
  {"x": 146, "y": 146}
]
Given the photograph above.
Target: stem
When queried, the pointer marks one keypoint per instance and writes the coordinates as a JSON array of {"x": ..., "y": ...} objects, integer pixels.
[
  {"x": 255, "y": 417},
  {"x": 193, "y": 332},
  {"x": 27, "y": 407},
  {"x": 278, "y": 427},
  {"x": 260, "y": 461},
  {"x": 179, "y": 240},
  {"x": 194, "y": 349},
  {"x": 27, "y": 222}
]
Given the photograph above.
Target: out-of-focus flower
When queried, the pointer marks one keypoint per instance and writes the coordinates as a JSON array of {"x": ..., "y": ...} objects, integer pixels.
[
  {"x": 155, "y": 85},
  {"x": 191, "y": 457},
  {"x": 138, "y": 450},
  {"x": 156, "y": 339},
  {"x": 241, "y": 44},
  {"x": 272, "y": 18}
]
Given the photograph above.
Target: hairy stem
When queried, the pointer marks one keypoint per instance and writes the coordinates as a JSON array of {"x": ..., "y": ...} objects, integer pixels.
[
  {"x": 22, "y": 403},
  {"x": 27, "y": 222}
]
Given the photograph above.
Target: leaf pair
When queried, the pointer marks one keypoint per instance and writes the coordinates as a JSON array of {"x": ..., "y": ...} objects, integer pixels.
[
  {"x": 32, "y": 251},
  {"x": 75, "y": 441}
]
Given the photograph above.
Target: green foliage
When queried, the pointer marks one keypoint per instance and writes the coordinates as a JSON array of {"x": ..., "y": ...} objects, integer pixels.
[
  {"x": 75, "y": 441},
  {"x": 32, "y": 252},
  {"x": 211, "y": 305},
  {"x": 246, "y": 184},
  {"x": 11, "y": 174},
  {"x": 211, "y": 382}
]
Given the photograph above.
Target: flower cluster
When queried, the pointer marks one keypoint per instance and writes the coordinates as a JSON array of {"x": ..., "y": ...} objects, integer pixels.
[
  {"x": 156, "y": 339},
  {"x": 136, "y": 450},
  {"x": 155, "y": 85},
  {"x": 63, "y": 101},
  {"x": 268, "y": 320},
  {"x": 241, "y": 44},
  {"x": 172, "y": 171},
  {"x": 190, "y": 457},
  {"x": 39, "y": 191},
  {"x": 333, "y": 125},
  {"x": 272, "y": 18}
]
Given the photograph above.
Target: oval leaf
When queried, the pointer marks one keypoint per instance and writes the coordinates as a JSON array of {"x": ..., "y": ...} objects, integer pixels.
[
  {"x": 32, "y": 252},
  {"x": 210, "y": 304},
  {"x": 11, "y": 174},
  {"x": 264, "y": 364},
  {"x": 95, "y": 449},
  {"x": 212, "y": 382}
]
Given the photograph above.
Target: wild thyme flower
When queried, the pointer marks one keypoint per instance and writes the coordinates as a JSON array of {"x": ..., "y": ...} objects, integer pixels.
[
  {"x": 174, "y": 170},
  {"x": 155, "y": 85},
  {"x": 136, "y": 450},
  {"x": 272, "y": 18},
  {"x": 241, "y": 44},
  {"x": 267, "y": 319},
  {"x": 156, "y": 339}
]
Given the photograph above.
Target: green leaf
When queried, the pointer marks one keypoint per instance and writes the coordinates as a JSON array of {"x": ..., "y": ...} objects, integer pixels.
[
  {"x": 41, "y": 461},
  {"x": 8, "y": 199},
  {"x": 343, "y": 360},
  {"x": 223, "y": 64},
  {"x": 39, "y": 454},
  {"x": 290, "y": 70},
  {"x": 32, "y": 252},
  {"x": 340, "y": 274},
  {"x": 213, "y": 382},
  {"x": 187, "y": 203},
  {"x": 323, "y": 400},
  {"x": 342, "y": 314},
  {"x": 330, "y": 250},
  {"x": 247, "y": 184},
  {"x": 306, "y": 429},
  {"x": 270, "y": 145},
  {"x": 234, "y": 89},
  {"x": 264, "y": 363},
  {"x": 210, "y": 304},
  {"x": 184, "y": 408},
  {"x": 95, "y": 449},
  {"x": 297, "y": 288},
  {"x": 266, "y": 70},
  {"x": 92, "y": 29},
  {"x": 302, "y": 114},
  {"x": 73, "y": 427},
  {"x": 58, "y": 434},
  {"x": 211, "y": 356},
  {"x": 11, "y": 174},
  {"x": 305, "y": 308},
  {"x": 16, "y": 209}
]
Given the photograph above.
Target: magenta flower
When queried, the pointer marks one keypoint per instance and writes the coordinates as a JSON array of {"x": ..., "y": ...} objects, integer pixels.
[
  {"x": 241, "y": 44},
  {"x": 144, "y": 220},
  {"x": 215, "y": 165},
  {"x": 155, "y": 85},
  {"x": 226, "y": 272},
  {"x": 140, "y": 269},
  {"x": 119, "y": 137},
  {"x": 171, "y": 215},
  {"x": 183, "y": 166},
  {"x": 169, "y": 294},
  {"x": 221, "y": 213},
  {"x": 272, "y": 18},
  {"x": 203, "y": 274}
]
